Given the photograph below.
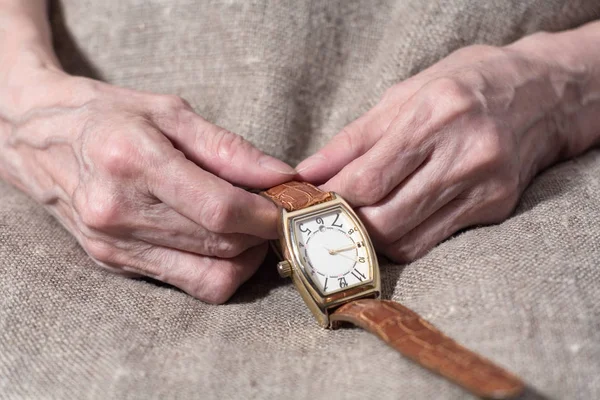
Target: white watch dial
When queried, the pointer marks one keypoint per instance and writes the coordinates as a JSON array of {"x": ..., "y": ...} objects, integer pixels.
[{"x": 332, "y": 251}]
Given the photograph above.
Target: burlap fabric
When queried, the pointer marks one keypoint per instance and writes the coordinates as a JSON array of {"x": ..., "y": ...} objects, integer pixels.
[{"x": 288, "y": 75}]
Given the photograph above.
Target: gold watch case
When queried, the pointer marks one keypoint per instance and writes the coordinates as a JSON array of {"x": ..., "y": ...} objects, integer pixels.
[{"x": 319, "y": 304}]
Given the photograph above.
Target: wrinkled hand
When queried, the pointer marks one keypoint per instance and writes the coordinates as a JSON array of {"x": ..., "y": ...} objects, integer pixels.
[
  {"x": 451, "y": 147},
  {"x": 143, "y": 182}
]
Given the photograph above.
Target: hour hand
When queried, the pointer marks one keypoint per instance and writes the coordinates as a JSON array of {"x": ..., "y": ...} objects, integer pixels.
[{"x": 336, "y": 251}]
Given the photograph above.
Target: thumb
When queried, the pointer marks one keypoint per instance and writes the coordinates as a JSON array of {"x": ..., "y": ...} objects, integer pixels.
[{"x": 227, "y": 154}]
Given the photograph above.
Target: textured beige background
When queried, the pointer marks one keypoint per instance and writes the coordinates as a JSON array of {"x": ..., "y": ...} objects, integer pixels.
[{"x": 288, "y": 75}]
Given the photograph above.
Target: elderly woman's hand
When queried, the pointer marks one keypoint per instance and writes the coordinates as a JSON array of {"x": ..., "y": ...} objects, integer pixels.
[
  {"x": 451, "y": 147},
  {"x": 141, "y": 180}
]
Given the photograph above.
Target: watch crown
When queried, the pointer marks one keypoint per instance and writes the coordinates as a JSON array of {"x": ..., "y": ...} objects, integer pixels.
[{"x": 284, "y": 268}]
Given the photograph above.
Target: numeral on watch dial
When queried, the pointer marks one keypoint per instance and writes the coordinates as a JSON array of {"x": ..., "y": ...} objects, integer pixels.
[{"x": 332, "y": 249}]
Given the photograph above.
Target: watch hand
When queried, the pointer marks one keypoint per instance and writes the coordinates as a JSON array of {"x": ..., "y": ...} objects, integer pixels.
[
  {"x": 340, "y": 254},
  {"x": 336, "y": 251}
]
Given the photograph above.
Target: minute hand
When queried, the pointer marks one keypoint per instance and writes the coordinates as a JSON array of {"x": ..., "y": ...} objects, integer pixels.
[
  {"x": 343, "y": 255},
  {"x": 336, "y": 251}
]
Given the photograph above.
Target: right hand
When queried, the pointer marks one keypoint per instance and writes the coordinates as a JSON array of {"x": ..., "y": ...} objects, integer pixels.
[{"x": 142, "y": 181}]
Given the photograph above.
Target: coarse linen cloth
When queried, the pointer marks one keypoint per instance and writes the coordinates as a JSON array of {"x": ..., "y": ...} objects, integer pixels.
[{"x": 288, "y": 75}]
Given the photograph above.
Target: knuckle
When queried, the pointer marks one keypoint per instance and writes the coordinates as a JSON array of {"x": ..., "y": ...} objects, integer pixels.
[
  {"x": 99, "y": 250},
  {"x": 478, "y": 51},
  {"x": 496, "y": 201},
  {"x": 380, "y": 224},
  {"x": 393, "y": 94},
  {"x": 366, "y": 186},
  {"x": 173, "y": 103},
  {"x": 401, "y": 254},
  {"x": 221, "y": 284},
  {"x": 170, "y": 112},
  {"x": 539, "y": 36},
  {"x": 345, "y": 139},
  {"x": 444, "y": 100},
  {"x": 505, "y": 194},
  {"x": 510, "y": 186},
  {"x": 489, "y": 151},
  {"x": 350, "y": 137},
  {"x": 409, "y": 248},
  {"x": 455, "y": 97},
  {"x": 448, "y": 98},
  {"x": 85, "y": 89},
  {"x": 219, "y": 214},
  {"x": 227, "y": 145},
  {"x": 119, "y": 156},
  {"x": 227, "y": 248},
  {"x": 101, "y": 213}
]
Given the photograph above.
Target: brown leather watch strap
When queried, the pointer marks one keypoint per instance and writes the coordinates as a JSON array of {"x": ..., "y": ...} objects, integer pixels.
[
  {"x": 415, "y": 338},
  {"x": 296, "y": 195}
]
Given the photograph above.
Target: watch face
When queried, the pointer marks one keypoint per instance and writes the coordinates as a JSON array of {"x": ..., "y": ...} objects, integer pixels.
[{"x": 332, "y": 250}]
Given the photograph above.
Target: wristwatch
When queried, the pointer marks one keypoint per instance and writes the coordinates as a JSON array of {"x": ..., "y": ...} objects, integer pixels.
[{"x": 327, "y": 252}]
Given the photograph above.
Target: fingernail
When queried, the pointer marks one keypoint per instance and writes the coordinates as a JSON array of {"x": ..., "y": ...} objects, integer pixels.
[
  {"x": 275, "y": 165},
  {"x": 310, "y": 163}
]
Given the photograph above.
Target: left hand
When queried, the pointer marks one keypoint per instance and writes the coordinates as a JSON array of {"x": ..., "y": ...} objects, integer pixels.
[{"x": 449, "y": 148}]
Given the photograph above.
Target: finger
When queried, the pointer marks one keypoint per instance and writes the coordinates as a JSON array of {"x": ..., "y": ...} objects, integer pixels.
[
  {"x": 210, "y": 279},
  {"x": 408, "y": 142},
  {"x": 371, "y": 177},
  {"x": 352, "y": 142},
  {"x": 403, "y": 148},
  {"x": 211, "y": 202},
  {"x": 359, "y": 136},
  {"x": 149, "y": 219},
  {"x": 63, "y": 213},
  {"x": 223, "y": 153},
  {"x": 167, "y": 228},
  {"x": 479, "y": 206},
  {"x": 412, "y": 202},
  {"x": 448, "y": 220}
]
